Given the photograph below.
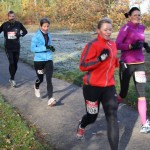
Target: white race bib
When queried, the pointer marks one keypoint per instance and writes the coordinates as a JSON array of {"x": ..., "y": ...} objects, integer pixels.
[
  {"x": 40, "y": 71},
  {"x": 140, "y": 77},
  {"x": 11, "y": 35},
  {"x": 92, "y": 107}
]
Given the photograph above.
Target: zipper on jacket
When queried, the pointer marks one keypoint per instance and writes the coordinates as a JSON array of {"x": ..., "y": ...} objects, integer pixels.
[{"x": 110, "y": 64}]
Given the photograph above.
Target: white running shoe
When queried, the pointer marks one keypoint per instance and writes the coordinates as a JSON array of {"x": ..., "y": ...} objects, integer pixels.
[
  {"x": 12, "y": 83},
  {"x": 52, "y": 101},
  {"x": 146, "y": 127},
  {"x": 37, "y": 92}
]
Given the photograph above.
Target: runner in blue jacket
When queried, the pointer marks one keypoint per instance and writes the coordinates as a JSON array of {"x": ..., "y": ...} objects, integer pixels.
[{"x": 41, "y": 45}]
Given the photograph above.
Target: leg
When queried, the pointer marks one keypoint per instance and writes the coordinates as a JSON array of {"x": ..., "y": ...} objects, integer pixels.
[
  {"x": 16, "y": 58},
  {"x": 109, "y": 102},
  {"x": 140, "y": 82},
  {"x": 92, "y": 105},
  {"x": 124, "y": 81},
  {"x": 49, "y": 73},
  {"x": 92, "y": 108},
  {"x": 39, "y": 68},
  {"x": 12, "y": 71}
]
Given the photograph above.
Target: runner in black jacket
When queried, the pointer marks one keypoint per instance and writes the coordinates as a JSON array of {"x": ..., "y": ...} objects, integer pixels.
[{"x": 13, "y": 30}]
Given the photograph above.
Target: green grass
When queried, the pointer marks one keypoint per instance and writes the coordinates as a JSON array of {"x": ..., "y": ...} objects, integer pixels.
[
  {"x": 16, "y": 133},
  {"x": 75, "y": 77}
]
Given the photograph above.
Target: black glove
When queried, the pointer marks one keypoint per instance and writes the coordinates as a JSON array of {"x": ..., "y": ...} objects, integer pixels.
[
  {"x": 18, "y": 35},
  {"x": 52, "y": 48},
  {"x": 104, "y": 54},
  {"x": 147, "y": 48},
  {"x": 137, "y": 45},
  {"x": 123, "y": 66}
]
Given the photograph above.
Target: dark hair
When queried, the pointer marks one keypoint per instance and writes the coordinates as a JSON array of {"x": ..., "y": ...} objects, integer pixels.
[
  {"x": 103, "y": 20},
  {"x": 44, "y": 20},
  {"x": 131, "y": 11},
  {"x": 10, "y": 12}
]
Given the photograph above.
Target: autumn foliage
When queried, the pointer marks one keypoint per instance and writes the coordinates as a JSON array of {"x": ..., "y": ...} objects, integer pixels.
[{"x": 72, "y": 14}]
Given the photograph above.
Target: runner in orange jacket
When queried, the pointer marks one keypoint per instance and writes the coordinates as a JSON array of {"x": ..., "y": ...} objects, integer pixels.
[
  {"x": 99, "y": 61},
  {"x": 99, "y": 73}
]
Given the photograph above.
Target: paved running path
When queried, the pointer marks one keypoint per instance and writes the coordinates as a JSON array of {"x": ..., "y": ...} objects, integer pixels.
[{"x": 58, "y": 124}]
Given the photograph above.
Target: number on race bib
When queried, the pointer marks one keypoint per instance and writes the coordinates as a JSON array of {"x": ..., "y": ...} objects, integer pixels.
[
  {"x": 11, "y": 35},
  {"x": 140, "y": 77},
  {"x": 92, "y": 107}
]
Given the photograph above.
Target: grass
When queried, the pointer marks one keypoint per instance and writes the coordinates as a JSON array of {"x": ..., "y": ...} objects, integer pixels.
[
  {"x": 75, "y": 77},
  {"x": 15, "y": 132}
]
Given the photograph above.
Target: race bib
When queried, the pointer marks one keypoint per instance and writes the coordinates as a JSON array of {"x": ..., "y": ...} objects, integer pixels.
[
  {"x": 11, "y": 35},
  {"x": 92, "y": 107},
  {"x": 140, "y": 77},
  {"x": 40, "y": 71}
]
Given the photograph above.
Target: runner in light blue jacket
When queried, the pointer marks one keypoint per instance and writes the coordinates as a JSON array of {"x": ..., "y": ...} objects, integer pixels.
[
  {"x": 39, "y": 48},
  {"x": 41, "y": 45}
]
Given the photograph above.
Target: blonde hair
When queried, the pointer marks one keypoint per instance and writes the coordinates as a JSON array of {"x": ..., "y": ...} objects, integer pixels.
[{"x": 102, "y": 21}]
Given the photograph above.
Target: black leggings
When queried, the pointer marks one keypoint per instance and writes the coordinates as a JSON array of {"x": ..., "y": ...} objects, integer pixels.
[
  {"x": 107, "y": 96},
  {"x": 46, "y": 67},
  {"x": 13, "y": 58},
  {"x": 125, "y": 79}
]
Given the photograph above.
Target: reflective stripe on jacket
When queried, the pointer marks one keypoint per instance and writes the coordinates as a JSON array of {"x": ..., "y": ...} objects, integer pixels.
[
  {"x": 99, "y": 73},
  {"x": 130, "y": 33}
]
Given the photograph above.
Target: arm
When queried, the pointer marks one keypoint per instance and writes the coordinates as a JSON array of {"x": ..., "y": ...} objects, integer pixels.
[
  {"x": 35, "y": 48},
  {"x": 1, "y": 28},
  {"x": 24, "y": 31},
  {"x": 89, "y": 59},
  {"x": 121, "y": 37},
  {"x": 147, "y": 47}
]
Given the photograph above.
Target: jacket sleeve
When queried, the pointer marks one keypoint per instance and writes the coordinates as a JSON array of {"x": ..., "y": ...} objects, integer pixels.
[
  {"x": 34, "y": 47},
  {"x": 89, "y": 59},
  {"x": 24, "y": 31},
  {"x": 121, "y": 45}
]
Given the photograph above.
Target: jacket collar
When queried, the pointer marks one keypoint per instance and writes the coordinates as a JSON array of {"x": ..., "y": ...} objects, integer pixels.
[
  {"x": 133, "y": 25},
  {"x": 102, "y": 40}
]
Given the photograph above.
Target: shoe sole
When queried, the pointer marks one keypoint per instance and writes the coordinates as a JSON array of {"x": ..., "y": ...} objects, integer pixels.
[
  {"x": 145, "y": 132},
  {"x": 80, "y": 137},
  {"x": 12, "y": 85},
  {"x": 52, "y": 104}
]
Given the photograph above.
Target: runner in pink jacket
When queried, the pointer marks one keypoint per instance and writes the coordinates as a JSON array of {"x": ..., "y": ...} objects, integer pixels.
[{"x": 130, "y": 41}]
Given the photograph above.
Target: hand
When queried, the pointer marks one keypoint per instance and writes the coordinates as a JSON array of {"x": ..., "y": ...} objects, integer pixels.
[
  {"x": 18, "y": 35},
  {"x": 52, "y": 48},
  {"x": 104, "y": 55},
  {"x": 123, "y": 66},
  {"x": 146, "y": 46},
  {"x": 137, "y": 45}
]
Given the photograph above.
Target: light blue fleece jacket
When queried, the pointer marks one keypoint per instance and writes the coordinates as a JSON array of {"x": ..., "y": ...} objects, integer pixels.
[{"x": 39, "y": 48}]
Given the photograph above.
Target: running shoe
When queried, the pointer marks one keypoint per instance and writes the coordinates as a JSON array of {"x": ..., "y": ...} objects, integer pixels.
[
  {"x": 80, "y": 132},
  {"x": 119, "y": 99},
  {"x": 52, "y": 101},
  {"x": 146, "y": 127},
  {"x": 12, "y": 83},
  {"x": 37, "y": 92}
]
